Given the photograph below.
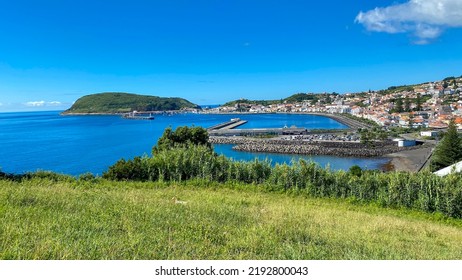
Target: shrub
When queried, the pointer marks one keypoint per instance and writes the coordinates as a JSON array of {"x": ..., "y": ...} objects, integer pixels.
[
  {"x": 56, "y": 177},
  {"x": 183, "y": 136},
  {"x": 355, "y": 170},
  {"x": 136, "y": 169}
]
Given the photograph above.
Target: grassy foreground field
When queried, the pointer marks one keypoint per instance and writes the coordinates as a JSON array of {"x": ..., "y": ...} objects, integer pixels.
[{"x": 66, "y": 219}]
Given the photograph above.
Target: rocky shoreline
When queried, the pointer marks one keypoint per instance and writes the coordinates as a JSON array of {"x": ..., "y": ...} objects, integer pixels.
[{"x": 332, "y": 148}]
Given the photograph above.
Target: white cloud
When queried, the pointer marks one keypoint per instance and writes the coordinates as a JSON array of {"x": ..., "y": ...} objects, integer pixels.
[
  {"x": 43, "y": 103},
  {"x": 1, "y": 104},
  {"x": 424, "y": 19},
  {"x": 35, "y": 103},
  {"x": 55, "y": 103}
]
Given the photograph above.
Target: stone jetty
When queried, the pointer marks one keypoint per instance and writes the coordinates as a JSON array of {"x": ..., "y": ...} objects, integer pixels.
[{"x": 333, "y": 148}]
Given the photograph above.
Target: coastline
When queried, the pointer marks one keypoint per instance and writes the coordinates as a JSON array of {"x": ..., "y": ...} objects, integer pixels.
[
  {"x": 331, "y": 148},
  {"x": 90, "y": 114},
  {"x": 64, "y": 113},
  {"x": 409, "y": 159},
  {"x": 350, "y": 123}
]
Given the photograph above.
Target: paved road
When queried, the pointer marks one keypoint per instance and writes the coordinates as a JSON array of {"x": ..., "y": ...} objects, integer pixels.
[{"x": 412, "y": 160}]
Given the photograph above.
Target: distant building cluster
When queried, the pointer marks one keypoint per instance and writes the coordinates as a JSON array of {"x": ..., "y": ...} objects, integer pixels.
[{"x": 430, "y": 105}]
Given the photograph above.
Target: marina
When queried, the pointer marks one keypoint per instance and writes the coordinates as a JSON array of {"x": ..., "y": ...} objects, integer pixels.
[
  {"x": 229, "y": 129},
  {"x": 49, "y": 140}
]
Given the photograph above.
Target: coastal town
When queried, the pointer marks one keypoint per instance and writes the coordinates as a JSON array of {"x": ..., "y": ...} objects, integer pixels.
[
  {"x": 428, "y": 105},
  {"x": 419, "y": 112}
]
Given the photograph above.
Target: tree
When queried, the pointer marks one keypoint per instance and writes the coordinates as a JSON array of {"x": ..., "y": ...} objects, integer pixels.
[
  {"x": 445, "y": 85},
  {"x": 418, "y": 102},
  {"x": 399, "y": 105},
  {"x": 367, "y": 137},
  {"x": 411, "y": 120},
  {"x": 407, "y": 104},
  {"x": 355, "y": 170},
  {"x": 328, "y": 99},
  {"x": 449, "y": 78},
  {"x": 449, "y": 150},
  {"x": 382, "y": 135},
  {"x": 183, "y": 136}
]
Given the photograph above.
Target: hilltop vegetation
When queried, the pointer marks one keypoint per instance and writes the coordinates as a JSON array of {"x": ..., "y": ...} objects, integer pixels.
[
  {"x": 326, "y": 98},
  {"x": 298, "y": 97},
  {"x": 396, "y": 89},
  {"x": 118, "y": 102},
  {"x": 252, "y": 102}
]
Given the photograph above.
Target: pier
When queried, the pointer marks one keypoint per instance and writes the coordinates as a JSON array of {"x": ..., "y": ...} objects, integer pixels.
[
  {"x": 258, "y": 131},
  {"x": 137, "y": 116},
  {"x": 233, "y": 123}
]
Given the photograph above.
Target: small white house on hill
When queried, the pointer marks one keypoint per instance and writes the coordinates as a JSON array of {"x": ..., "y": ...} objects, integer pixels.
[
  {"x": 431, "y": 133},
  {"x": 457, "y": 167},
  {"x": 405, "y": 142}
]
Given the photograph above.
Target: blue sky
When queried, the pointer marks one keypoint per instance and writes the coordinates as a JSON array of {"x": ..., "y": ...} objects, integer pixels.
[{"x": 213, "y": 51}]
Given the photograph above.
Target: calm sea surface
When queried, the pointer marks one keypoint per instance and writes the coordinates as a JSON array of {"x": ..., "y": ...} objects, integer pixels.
[{"x": 31, "y": 141}]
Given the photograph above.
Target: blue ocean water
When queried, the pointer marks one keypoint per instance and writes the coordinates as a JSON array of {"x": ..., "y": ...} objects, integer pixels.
[{"x": 31, "y": 141}]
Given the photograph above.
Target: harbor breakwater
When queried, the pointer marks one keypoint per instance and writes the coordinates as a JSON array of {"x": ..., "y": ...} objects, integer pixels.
[{"x": 331, "y": 148}]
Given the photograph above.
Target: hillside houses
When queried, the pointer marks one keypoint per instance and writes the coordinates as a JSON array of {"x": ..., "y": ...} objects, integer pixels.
[{"x": 431, "y": 105}]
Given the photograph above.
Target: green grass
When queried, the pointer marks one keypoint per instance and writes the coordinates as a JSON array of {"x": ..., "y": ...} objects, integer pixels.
[{"x": 65, "y": 219}]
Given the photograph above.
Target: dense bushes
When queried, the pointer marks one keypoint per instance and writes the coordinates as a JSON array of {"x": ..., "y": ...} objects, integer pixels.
[
  {"x": 56, "y": 177},
  {"x": 184, "y": 163},
  {"x": 182, "y": 155},
  {"x": 423, "y": 191}
]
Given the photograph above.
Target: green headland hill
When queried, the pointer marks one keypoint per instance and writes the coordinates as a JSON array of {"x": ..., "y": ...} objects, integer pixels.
[{"x": 119, "y": 102}]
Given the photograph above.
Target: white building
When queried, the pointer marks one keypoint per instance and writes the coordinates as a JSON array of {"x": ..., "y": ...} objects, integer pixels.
[
  {"x": 404, "y": 142},
  {"x": 431, "y": 133},
  {"x": 457, "y": 167}
]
